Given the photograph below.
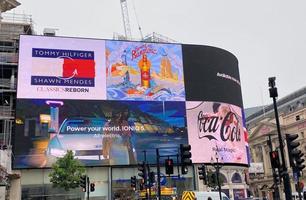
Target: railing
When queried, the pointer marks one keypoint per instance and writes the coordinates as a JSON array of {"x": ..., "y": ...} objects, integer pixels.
[
  {"x": 156, "y": 37},
  {"x": 118, "y": 36},
  {"x": 16, "y": 18},
  {"x": 8, "y": 57},
  {"x": 6, "y": 112},
  {"x": 7, "y": 83},
  {"x": 153, "y": 37}
]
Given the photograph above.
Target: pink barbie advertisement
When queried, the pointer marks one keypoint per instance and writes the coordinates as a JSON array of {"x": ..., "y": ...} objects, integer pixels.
[
  {"x": 144, "y": 71},
  {"x": 216, "y": 128},
  {"x": 61, "y": 68}
]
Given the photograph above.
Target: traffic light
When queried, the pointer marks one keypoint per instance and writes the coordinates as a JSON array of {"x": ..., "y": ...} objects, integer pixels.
[
  {"x": 133, "y": 181},
  {"x": 292, "y": 145},
  {"x": 141, "y": 186},
  {"x": 169, "y": 166},
  {"x": 185, "y": 156},
  {"x": 299, "y": 160},
  {"x": 152, "y": 178},
  {"x": 276, "y": 179},
  {"x": 274, "y": 158},
  {"x": 202, "y": 174},
  {"x": 143, "y": 172},
  {"x": 83, "y": 182},
  {"x": 92, "y": 187}
]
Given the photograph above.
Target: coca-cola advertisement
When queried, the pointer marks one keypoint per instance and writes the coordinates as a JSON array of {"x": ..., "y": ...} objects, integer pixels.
[{"x": 216, "y": 128}]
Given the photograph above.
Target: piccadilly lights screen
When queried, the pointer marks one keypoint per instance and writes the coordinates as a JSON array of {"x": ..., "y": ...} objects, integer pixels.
[{"x": 111, "y": 101}]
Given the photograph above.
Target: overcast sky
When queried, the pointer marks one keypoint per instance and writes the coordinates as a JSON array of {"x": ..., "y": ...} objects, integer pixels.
[{"x": 267, "y": 37}]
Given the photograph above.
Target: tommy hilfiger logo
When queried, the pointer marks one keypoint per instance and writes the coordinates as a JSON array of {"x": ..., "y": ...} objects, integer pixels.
[{"x": 59, "y": 67}]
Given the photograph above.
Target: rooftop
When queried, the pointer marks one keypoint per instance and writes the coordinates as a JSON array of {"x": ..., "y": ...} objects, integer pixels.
[{"x": 286, "y": 104}]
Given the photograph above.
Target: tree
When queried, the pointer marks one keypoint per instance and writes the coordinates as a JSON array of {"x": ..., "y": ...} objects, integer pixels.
[
  {"x": 212, "y": 179},
  {"x": 66, "y": 172}
]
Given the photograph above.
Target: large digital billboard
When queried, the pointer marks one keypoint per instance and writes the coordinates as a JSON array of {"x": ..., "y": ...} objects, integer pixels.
[
  {"x": 98, "y": 132},
  {"x": 219, "y": 128},
  {"x": 116, "y": 102}
]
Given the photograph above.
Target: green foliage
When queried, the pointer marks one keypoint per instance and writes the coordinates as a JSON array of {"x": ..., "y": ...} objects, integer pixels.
[
  {"x": 66, "y": 172},
  {"x": 212, "y": 179}
]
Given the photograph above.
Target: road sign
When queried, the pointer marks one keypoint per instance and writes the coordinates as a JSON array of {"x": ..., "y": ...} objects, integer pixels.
[{"x": 188, "y": 195}]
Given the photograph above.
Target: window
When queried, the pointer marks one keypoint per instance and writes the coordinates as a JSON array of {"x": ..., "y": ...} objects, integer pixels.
[
  {"x": 6, "y": 43},
  {"x": 236, "y": 178},
  {"x": 46, "y": 191},
  {"x": 6, "y": 73},
  {"x": 223, "y": 178},
  {"x": 5, "y": 99},
  {"x": 297, "y": 118}
]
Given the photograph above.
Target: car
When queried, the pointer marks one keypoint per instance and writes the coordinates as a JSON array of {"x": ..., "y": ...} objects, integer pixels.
[
  {"x": 87, "y": 139},
  {"x": 295, "y": 195}
]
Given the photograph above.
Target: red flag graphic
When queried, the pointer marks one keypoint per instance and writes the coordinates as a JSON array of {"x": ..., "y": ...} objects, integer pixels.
[{"x": 79, "y": 68}]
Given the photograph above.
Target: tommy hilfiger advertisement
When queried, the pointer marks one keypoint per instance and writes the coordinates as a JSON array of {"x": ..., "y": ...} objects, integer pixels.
[
  {"x": 219, "y": 128},
  {"x": 67, "y": 68}
]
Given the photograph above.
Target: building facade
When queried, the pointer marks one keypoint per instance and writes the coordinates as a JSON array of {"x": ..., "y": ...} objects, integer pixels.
[
  {"x": 11, "y": 26},
  {"x": 262, "y": 128},
  {"x": 114, "y": 182}
]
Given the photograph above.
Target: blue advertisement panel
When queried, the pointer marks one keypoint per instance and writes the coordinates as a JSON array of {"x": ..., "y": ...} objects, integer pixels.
[{"x": 98, "y": 132}]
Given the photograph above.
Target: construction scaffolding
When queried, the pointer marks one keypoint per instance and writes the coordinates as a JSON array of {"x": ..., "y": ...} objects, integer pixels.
[{"x": 12, "y": 25}]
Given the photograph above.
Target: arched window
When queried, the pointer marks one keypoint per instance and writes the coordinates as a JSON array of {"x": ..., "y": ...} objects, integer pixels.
[
  {"x": 236, "y": 178},
  {"x": 222, "y": 176}
]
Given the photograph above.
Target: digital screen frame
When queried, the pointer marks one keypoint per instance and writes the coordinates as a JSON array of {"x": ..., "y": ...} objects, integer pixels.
[{"x": 109, "y": 101}]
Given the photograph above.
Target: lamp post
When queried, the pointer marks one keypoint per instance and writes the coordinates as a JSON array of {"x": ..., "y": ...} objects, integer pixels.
[
  {"x": 284, "y": 172},
  {"x": 217, "y": 167}
]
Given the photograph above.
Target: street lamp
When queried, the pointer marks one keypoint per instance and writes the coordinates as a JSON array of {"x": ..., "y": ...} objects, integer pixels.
[{"x": 217, "y": 167}]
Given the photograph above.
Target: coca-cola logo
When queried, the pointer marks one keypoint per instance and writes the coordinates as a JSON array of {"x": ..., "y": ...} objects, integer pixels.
[
  {"x": 228, "y": 127},
  {"x": 143, "y": 49}
]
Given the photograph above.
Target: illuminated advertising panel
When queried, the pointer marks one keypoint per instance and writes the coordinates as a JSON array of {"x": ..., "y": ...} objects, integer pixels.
[
  {"x": 116, "y": 102},
  {"x": 144, "y": 71},
  {"x": 98, "y": 132},
  {"x": 68, "y": 68},
  {"x": 219, "y": 128}
]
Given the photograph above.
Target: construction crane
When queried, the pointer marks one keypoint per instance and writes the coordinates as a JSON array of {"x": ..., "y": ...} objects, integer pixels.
[
  {"x": 126, "y": 21},
  {"x": 154, "y": 37}
]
